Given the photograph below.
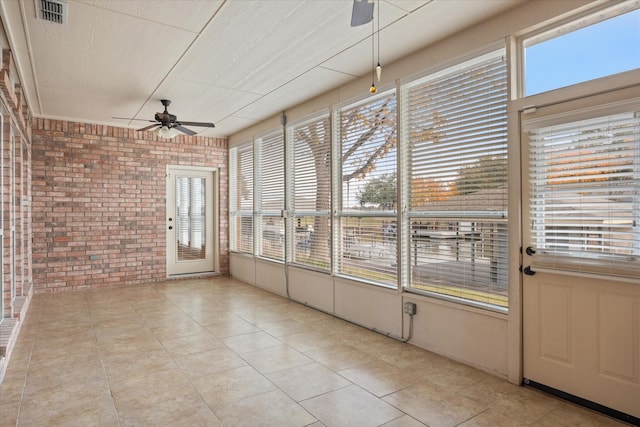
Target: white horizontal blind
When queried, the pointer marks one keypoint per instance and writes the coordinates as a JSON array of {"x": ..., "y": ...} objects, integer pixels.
[
  {"x": 270, "y": 185},
  {"x": 241, "y": 198},
  {"x": 585, "y": 181},
  {"x": 456, "y": 123},
  {"x": 368, "y": 167},
  {"x": 311, "y": 192},
  {"x": 190, "y": 218}
]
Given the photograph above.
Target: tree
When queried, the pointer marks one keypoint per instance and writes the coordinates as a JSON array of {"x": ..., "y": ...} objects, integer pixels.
[
  {"x": 380, "y": 191},
  {"x": 368, "y": 133},
  {"x": 486, "y": 172},
  {"x": 429, "y": 190}
]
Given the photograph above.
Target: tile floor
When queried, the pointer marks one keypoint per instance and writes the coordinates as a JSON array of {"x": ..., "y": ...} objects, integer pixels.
[{"x": 212, "y": 352}]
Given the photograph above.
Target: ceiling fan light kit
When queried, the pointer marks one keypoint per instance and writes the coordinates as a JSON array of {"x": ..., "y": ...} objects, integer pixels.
[{"x": 166, "y": 132}]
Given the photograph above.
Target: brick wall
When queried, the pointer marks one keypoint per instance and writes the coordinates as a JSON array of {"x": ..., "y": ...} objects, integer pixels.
[{"x": 99, "y": 202}]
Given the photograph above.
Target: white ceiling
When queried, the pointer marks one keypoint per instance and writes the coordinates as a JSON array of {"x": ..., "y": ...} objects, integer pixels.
[{"x": 231, "y": 62}]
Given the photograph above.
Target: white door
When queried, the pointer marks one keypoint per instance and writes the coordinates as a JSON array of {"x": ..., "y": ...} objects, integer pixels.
[
  {"x": 191, "y": 220},
  {"x": 581, "y": 255}
]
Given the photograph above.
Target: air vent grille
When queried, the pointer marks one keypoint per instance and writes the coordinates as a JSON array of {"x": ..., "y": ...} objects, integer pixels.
[{"x": 52, "y": 11}]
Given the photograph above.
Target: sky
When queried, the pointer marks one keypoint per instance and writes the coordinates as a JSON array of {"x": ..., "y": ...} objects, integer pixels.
[{"x": 602, "y": 49}]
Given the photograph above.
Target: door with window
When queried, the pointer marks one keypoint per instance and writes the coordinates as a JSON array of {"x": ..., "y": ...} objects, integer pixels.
[
  {"x": 581, "y": 254},
  {"x": 191, "y": 220}
]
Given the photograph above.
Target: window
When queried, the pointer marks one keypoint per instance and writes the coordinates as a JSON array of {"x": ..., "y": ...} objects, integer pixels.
[
  {"x": 455, "y": 124},
  {"x": 585, "y": 176},
  {"x": 241, "y": 198},
  {"x": 270, "y": 189},
  {"x": 568, "y": 55},
  {"x": 310, "y": 186},
  {"x": 366, "y": 179}
]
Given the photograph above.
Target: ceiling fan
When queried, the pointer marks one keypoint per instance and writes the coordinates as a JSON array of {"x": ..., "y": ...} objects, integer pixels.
[
  {"x": 166, "y": 125},
  {"x": 362, "y": 12}
]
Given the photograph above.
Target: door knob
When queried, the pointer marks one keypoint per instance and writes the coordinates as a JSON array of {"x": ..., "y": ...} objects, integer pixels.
[
  {"x": 528, "y": 271},
  {"x": 171, "y": 227},
  {"x": 530, "y": 251}
]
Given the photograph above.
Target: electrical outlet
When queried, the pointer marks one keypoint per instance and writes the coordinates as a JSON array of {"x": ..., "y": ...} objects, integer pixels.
[{"x": 410, "y": 308}]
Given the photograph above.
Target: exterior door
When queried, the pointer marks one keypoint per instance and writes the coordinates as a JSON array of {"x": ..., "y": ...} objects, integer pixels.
[
  {"x": 191, "y": 220},
  {"x": 581, "y": 254}
]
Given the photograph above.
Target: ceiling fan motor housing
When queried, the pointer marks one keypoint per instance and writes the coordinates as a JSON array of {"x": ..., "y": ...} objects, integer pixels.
[{"x": 165, "y": 118}]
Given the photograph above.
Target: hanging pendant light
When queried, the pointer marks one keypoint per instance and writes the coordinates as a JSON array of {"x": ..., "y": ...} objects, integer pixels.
[
  {"x": 373, "y": 88},
  {"x": 379, "y": 67}
]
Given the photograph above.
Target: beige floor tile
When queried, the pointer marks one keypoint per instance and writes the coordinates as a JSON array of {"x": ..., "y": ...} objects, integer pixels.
[
  {"x": 283, "y": 328},
  {"x": 220, "y": 352},
  {"x": 112, "y": 320},
  {"x": 80, "y": 403},
  {"x": 310, "y": 340},
  {"x": 567, "y": 414},
  {"x": 404, "y": 421},
  {"x": 9, "y": 413},
  {"x": 304, "y": 382},
  {"x": 11, "y": 389},
  {"x": 447, "y": 373},
  {"x": 434, "y": 405},
  {"x": 134, "y": 341},
  {"x": 181, "y": 411},
  {"x": 269, "y": 409},
  {"x": 152, "y": 388},
  {"x": 98, "y": 413},
  {"x": 248, "y": 343},
  {"x": 231, "y": 385},
  {"x": 191, "y": 344},
  {"x": 182, "y": 329},
  {"x": 379, "y": 377},
  {"x": 206, "y": 318},
  {"x": 491, "y": 418},
  {"x": 122, "y": 367},
  {"x": 276, "y": 358},
  {"x": 396, "y": 353},
  {"x": 339, "y": 357},
  {"x": 80, "y": 348},
  {"x": 523, "y": 404},
  {"x": 350, "y": 406},
  {"x": 257, "y": 316},
  {"x": 209, "y": 362},
  {"x": 231, "y": 328}
]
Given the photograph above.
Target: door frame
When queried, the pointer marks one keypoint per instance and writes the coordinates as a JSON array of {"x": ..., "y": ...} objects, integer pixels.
[{"x": 215, "y": 212}]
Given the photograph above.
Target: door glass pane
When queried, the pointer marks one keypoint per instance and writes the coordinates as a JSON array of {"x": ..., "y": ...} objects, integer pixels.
[{"x": 190, "y": 218}]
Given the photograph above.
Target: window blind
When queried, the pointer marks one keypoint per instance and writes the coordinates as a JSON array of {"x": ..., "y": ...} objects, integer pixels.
[
  {"x": 241, "y": 198},
  {"x": 585, "y": 177},
  {"x": 366, "y": 225},
  {"x": 270, "y": 187},
  {"x": 455, "y": 122},
  {"x": 190, "y": 218},
  {"x": 311, "y": 192}
]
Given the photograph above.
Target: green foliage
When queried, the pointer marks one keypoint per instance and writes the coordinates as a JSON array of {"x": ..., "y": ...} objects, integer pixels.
[{"x": 380, "y": 192}]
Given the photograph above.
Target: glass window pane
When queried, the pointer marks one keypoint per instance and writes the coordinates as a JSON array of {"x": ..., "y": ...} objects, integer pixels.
[
  {"x": 368, "y": 248},
  {"x": 584, "y": 179},
  {"x": 310, "y": 184},
  {"x": 190, "y": 218},
  {"x": 605, "y": 48},
  {"x": 456, "y": 122}
]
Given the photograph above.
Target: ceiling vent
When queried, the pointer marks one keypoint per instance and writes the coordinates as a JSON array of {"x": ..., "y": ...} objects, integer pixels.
[{"x": 52, "y": 10}]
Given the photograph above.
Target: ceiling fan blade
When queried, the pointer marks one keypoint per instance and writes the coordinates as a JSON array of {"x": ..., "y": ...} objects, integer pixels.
[
  {"x": 184, "y": 130},
  {"x": 201, "y": 124},
  {"x": 131, "y": 118},
  {"x": 149, "y": 127},
  {"x": 362, "y": 12}
]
